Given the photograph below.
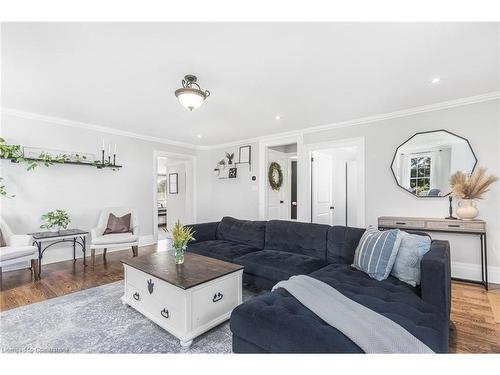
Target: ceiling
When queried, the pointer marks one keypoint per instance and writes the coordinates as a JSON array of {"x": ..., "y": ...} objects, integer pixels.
[{"x": 123, "y": 75}]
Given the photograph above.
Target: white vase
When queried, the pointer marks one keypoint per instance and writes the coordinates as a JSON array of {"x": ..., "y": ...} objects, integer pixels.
[
  {"x": 467, "y": 209},
  {"x": 55, "y": 228}
]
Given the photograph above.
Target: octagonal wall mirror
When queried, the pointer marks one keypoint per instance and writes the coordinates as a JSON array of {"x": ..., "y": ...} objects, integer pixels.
[{"x": 424, "y": 163}]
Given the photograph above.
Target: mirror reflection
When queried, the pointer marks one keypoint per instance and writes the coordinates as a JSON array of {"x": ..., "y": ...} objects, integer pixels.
[{"x": 424, "y": 163}]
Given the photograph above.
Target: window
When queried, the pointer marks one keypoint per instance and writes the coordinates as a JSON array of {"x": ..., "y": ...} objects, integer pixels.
[{"x": 420, "y": 174}]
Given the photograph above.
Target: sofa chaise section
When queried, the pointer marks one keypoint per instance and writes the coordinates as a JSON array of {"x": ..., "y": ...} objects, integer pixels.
[{"x": 276, "y": 322}]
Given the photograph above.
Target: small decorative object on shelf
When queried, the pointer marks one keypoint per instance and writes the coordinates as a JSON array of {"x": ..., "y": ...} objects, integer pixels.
[
  {"x": 55, "y": 220},
  {"x": 275, "y": 176},
  {"x": 221, "y": 164},
  {"x": 233, "y": 172},
  {"x": 468, "y": 189},
  {"x": 450, "y": 209},
  {"x": 181, "y": 236},
  {"x": 229, "y": 158},
  {"x": 106, "y": 162}
]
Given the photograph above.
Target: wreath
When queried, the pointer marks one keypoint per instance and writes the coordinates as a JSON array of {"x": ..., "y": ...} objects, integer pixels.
[{"x": 275, "y": 176}]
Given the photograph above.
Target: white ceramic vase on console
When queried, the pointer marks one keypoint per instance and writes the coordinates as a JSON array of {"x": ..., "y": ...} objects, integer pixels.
[{"x": 467, "y": 209}]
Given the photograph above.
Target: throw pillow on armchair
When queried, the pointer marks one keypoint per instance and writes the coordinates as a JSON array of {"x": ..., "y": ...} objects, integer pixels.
[{"x": 118, "y": 224}]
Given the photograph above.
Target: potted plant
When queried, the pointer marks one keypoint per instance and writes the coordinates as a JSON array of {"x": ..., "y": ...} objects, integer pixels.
[
  {"x": 470, "y": 188},
  {"x": 221, "y": 164},
  {"x": 55, "y": 220},
  {"x": 181, "y": 235}
]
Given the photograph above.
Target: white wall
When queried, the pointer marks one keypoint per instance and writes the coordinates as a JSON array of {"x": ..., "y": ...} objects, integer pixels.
[
  {"x": 80, "y": 190},
  {"x": 480, "y": 123},
  {"x": 236, "y": 197}
]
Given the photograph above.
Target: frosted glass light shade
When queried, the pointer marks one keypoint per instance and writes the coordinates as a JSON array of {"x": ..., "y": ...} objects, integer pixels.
[{"x": 190, "y": 98}]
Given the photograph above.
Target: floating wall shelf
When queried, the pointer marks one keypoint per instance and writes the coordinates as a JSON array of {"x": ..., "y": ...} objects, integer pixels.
[{"x": 97, "y": 165}]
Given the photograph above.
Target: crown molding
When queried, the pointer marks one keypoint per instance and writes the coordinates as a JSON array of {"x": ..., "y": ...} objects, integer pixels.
[
  {"x": 359, "y": 121},
  {"x": 94, "y": 127},
  {"x": 367, "y": 120}
]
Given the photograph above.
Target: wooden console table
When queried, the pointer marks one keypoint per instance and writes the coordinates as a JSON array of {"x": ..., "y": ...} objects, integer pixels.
[{"x": 471, "y": 227}]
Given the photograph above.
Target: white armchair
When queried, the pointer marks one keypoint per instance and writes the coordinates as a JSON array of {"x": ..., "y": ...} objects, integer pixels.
[
  {"x": 115, "y": 240},
  {"x": 19, "y": 249}
]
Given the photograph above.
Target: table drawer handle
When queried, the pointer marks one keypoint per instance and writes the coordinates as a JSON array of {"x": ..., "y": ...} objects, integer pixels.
[
  {"x": 400, "y": 223},
  {"x": 453, "y": 225},
  {"x": 217, "y": 297},
  {"x": 151, "y": 284},
  {"x": 165, "y": 313},
  {"x": 136, "y": 296}
]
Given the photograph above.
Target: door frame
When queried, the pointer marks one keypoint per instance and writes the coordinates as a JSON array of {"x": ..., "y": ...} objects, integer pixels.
[
  {"x": 263, "y": 146},
  {"x": 193, "y": 193},
  {"x": 338, "y": 143}
]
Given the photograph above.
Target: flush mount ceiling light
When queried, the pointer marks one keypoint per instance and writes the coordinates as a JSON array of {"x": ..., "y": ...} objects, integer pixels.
[
  {"x": 436, "y": 80},
  {"x": 189, "y": 96}
]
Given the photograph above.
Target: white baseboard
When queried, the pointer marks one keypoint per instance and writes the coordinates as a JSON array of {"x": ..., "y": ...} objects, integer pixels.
[{"x": 473, "y": 272}]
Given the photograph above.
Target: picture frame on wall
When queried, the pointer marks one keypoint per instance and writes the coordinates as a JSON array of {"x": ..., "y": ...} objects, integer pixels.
[
  {"x": 245, "y": 154},
  {"x": 173, "y": 183},
  {"x": 233, "y": 172}
]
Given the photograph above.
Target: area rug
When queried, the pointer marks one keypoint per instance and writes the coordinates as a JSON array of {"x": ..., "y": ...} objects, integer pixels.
[{"x": 96, "y": 321}]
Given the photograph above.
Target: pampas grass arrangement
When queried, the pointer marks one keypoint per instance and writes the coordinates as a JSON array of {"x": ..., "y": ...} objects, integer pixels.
[{"x": 473, "y": 186}]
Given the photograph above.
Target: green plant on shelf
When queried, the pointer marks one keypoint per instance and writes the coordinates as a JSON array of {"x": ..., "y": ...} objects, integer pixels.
[
  {"x": 229, "y": 157},
  {"x": 55, "y": 220},
  {"x": 79, "y": 158}
]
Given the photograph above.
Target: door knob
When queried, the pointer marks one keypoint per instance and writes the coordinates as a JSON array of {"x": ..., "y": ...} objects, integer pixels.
[
  {"x": 331, "y": 207},
  {"x": 282, "y": 201}
]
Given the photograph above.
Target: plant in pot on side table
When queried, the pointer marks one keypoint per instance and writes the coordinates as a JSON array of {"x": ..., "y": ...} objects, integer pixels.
[
  {"x": 181, "y": 235},
  {"x": 468, "y": 189},
  {"x": 55, "y": 220}
]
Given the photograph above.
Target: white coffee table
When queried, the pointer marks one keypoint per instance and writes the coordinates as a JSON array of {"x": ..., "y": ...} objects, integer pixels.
[{"x": 186, "y": 300}]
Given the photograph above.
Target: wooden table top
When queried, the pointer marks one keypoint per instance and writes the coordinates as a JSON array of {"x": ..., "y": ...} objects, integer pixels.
[{"x": 196, "y": 269}]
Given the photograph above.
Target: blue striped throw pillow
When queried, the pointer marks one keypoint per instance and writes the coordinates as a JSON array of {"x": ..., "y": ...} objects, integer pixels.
[{"x": 376, "y": 252}]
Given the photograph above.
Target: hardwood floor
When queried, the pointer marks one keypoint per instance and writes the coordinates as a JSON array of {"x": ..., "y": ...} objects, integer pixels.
[{"x": 474, "y": 329}]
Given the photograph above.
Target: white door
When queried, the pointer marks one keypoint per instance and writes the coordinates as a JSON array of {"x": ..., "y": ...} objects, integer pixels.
[
  {"x": 352, "y": 199},
  {"x": 278, "y": 200},
  {"x": 322, "y": 168}
]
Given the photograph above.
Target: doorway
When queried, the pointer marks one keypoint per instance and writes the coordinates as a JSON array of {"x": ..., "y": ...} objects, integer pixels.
[
  {"x": 173, "y": 192},
  {"x": 281, "y": 202},
  {"x": 337, "y": 184}
]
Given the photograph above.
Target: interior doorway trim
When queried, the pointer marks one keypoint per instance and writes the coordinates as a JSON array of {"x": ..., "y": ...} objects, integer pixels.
[
  {"x": 347, "y": 142},
  {"x": 187, "y": 157},
  {"x": 263, "y": 146}
]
